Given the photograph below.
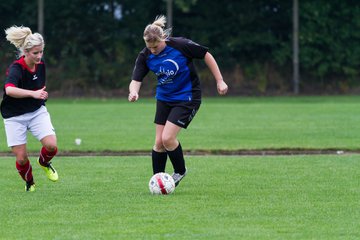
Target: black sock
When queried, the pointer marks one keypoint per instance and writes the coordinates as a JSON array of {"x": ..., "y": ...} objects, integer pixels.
[
  {"x": 177, "y": 159},
  {"x": 158, "y": 161}
]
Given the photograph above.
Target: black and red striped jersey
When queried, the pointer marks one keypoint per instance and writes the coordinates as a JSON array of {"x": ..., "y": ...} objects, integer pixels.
[{"x": 19, "y": 75}]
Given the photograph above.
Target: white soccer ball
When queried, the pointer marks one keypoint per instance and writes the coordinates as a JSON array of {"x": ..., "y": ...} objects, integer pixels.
[{"x": 161, "y": 184}]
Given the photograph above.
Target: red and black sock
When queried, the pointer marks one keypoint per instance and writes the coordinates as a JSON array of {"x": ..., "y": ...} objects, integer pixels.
[
  {"x": 46, "y": 156},
  {"x": 158, "y": 161},
  {"x": 25, "y": 172},
  {"x": 177, "y": 159}
]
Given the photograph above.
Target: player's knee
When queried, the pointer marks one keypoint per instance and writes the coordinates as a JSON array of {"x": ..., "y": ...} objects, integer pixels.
[
  {"x": 169, "y": 142},
  {"x": 49, "y": 143},
  {"x": 21, "y": 155},
  {"x": 159, "y": 147}
]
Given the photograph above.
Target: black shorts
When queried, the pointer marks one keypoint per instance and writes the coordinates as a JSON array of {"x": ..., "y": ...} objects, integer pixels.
[{"x": 179, "y": 113}]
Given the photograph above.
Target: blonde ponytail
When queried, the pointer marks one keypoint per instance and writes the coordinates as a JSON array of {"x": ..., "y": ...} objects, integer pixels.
[
  {"x": 17, "y": 35},
  {"x": 160, "y": 21},
  {"x": 156, "y": 31},
  {"x": 23, "y": 38}
]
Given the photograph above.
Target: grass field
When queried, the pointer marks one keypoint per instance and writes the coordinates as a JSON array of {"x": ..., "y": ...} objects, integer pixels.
[
  {"x": 221, "y": 123},
  {"x": 232, "y": 197},
  {"x": 223, "y": 197}
]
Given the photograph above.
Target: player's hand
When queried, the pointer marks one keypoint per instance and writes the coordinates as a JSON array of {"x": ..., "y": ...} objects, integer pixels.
[
  {"x": 41, "y": 94},
  {"x": 133, "y": 96},
  {"x": 222, "y": 88}
]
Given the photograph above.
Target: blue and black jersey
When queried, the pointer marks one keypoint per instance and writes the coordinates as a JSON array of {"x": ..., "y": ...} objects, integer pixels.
[
  {"x": 20, "y": 76},
  {"x": 174, "y": 68}
]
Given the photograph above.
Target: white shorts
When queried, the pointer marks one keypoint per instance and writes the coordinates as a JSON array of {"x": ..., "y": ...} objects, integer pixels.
[{"x": 37, "y": 122}]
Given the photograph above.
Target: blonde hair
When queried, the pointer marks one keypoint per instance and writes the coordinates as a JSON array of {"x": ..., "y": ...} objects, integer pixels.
[
  {"x": 23, "y": 39},
  {"x": 156, "y": 31}
]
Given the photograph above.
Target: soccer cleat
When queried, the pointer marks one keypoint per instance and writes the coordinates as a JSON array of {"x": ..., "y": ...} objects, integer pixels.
[
  {"x": 30, "y": 187},
  {"x": 178, "y": 177},
  {"x": 50, "y": 171}
]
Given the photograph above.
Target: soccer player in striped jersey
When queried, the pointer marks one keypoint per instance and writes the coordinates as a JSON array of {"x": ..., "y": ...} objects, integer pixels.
[{"x": 178, "y": 91}]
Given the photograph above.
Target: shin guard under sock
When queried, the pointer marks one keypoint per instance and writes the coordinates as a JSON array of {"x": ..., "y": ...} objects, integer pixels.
[
  {"x": 177, "y": 159},
  {"x": 158, "y": 161},
  {"x": 25, "y": 171},
  {"x": 46, "y": 156}
]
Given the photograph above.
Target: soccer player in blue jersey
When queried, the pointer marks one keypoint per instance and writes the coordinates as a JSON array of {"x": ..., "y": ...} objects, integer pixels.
[
  {"x": 23, "y": 105},
  {"x": 178, "y": 91}
]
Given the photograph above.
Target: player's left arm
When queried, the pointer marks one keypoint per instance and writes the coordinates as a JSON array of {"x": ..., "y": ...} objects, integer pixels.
[{"x": 210, "y": 61}]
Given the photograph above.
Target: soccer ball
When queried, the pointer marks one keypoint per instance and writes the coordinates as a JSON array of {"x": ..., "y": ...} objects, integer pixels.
[{"x": 161, "y": 184}]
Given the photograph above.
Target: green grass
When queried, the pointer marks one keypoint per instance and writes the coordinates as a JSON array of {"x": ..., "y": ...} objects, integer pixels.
[
  {"x": 223, "y": 197},
  {"x": 221, "y": 124}
]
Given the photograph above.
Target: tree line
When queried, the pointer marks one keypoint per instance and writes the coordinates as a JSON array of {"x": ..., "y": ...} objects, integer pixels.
[{"x": 91, "y": 45}]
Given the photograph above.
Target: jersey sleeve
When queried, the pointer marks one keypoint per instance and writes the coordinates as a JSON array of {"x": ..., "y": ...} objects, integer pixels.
[
  {"x": 140, "y": 68},
  {"x": 13, "y": 76},
  {"x": 190, "y": 48}
]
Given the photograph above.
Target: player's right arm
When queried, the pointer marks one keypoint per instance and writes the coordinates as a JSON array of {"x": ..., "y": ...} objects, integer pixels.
[
  {"x": 139, "y": 72},
  {"x": 134, "y": 89},
  {"x": 13, "y": 78},
  {"x": 15, "y": 92}
]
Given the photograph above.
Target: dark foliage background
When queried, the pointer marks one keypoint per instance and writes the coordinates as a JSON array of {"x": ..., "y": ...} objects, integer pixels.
[{"x": 91, "y": 45}]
